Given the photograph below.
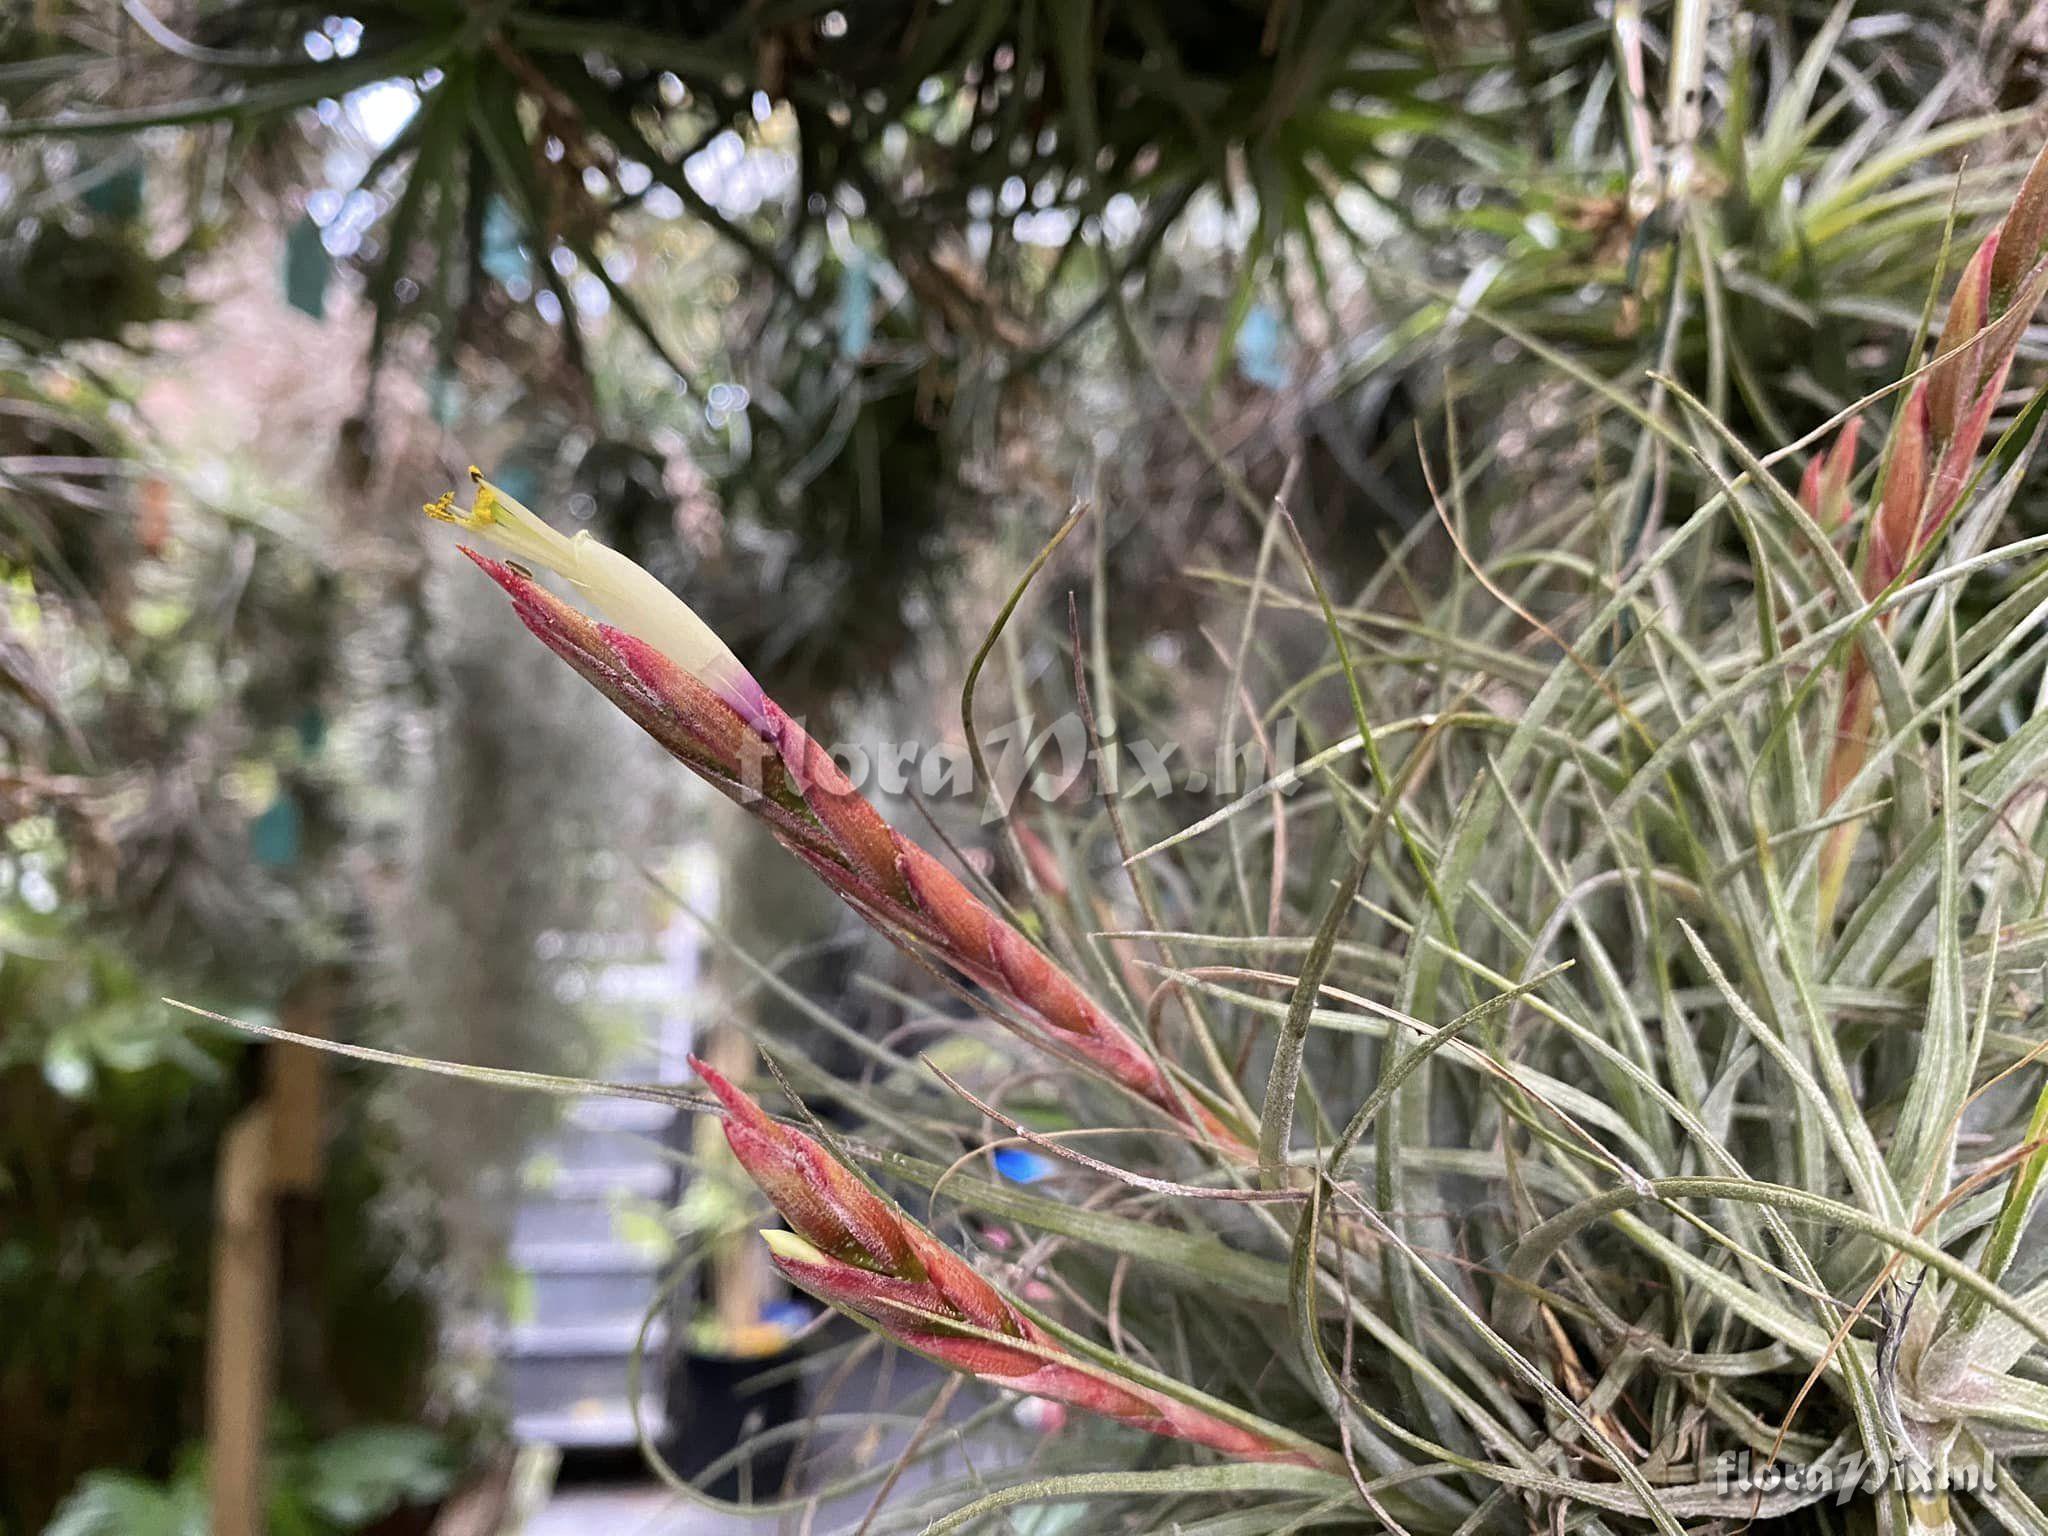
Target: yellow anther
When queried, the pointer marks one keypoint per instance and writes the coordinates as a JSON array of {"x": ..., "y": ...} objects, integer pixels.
[{"x": 610, "y": 583}]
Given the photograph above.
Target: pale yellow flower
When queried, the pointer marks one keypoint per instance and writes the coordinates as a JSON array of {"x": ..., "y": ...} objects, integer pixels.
[{"x": 616, "y": 589}]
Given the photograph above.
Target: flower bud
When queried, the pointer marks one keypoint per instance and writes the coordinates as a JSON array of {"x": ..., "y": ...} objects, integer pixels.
[
  {"x": 1952, "y": 384},
  {"x": 818, "y": 1196},
  {"x": 1834, "y": 485},
  {"x": 1905, "y": 489},
  {"x": 854, "y": 1251},
  {"x": 1824, "y": 488},
  {"x": 2023, "y": 234},
  {"x": 1959, "y": 459},
  {"x": 1809, "y": 485}
]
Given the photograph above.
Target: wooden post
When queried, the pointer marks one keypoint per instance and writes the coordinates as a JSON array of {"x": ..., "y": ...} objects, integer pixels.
[
  {"x": 268, "y": 1177},
  {"x": 242, "y": 1326},
  {"x": 295, "y": 1086}
]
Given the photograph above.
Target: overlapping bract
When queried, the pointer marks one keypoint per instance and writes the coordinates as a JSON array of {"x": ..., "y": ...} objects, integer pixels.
[
  {"x": 853, "y": 1250},
  {"x": 1933, "y": 454},
  {"x": 716, "y": 719}
]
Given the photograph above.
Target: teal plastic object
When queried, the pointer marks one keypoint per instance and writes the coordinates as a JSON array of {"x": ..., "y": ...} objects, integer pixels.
[
  {"x": 307, "y": 268},
  {"x": 275, "y": 835},
  {"x": 117, "y": 196},
  {"x": 1262, "y": 348},
  {"x": 856, "y": 307}
]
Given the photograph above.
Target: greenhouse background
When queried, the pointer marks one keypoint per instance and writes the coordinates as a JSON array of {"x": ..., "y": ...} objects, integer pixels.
[{"x": 1378, "y": 627}]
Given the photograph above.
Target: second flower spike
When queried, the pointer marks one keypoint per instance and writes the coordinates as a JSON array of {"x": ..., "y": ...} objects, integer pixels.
[{"x": 856, "y": 1252}]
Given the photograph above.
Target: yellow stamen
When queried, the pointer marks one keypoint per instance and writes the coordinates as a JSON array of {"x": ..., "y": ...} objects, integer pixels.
[{"x": 619, "y": 590}]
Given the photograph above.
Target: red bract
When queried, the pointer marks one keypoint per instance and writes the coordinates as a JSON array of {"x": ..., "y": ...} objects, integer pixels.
[
  {"x": 1956, "y": 380},
  {"x": 744, "y": 744},
  {"x": 2024, "y": 233},
  {"x": 1934, "y": 452},
  {"x": 854, "y": 1251},
  {"x": 1896, "y": 529},
  {"x": 1824, "y": 488}
]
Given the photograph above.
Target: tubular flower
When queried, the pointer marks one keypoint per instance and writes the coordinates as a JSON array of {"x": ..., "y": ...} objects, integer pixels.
[
  {"x": 1934, "y": 452},
  {"x": 615, "y": 586},
  {"x": 666, "y": 670},
  {"x": 856, "y": 1252}
]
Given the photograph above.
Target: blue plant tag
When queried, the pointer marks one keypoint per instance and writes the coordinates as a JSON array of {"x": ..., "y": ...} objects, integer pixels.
[{"x": 1021, "y": 1166}]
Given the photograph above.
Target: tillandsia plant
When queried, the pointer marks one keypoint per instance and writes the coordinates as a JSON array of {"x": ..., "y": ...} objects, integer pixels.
[{"x": 1601, "y": 1186}]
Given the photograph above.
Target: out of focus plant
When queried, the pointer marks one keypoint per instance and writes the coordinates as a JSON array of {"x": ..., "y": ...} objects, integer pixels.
[
  {"x": 171, "y": 816},
  {"x": 553, "y": 122},
  {"x": 171, "y": 671},
  {"x": 920, "y": 210},
  {"x": 347, "y": 1482},
  {"x": 1004, "y": 163},
  {"x": 1760, "y": 217}
]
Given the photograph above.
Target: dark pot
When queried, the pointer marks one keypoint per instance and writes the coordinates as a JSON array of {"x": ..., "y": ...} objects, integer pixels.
[{"x": 716, "y": 1402}]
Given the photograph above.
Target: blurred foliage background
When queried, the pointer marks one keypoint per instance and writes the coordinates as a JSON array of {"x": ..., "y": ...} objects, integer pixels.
[{"x": 824, "y": 313}]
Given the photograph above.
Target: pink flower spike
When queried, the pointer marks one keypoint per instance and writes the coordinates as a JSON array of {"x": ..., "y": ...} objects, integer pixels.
[
  {"x": 672, "y": 676},
  {"x": 1839, "y": 468},
  {"x": 918, "y": 1292},
  {"x": 1952, "y": 384},
  {"x": 732, "y": 741},
  {"x": 822, "y": 1200},
  {"x": 2024, "y": 232}
]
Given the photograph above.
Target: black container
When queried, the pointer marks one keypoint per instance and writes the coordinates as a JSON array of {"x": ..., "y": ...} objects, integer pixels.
[{"x": 716, "y": 1402}]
